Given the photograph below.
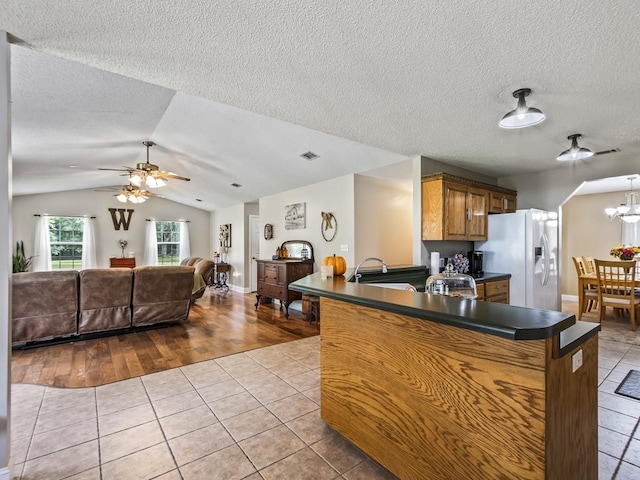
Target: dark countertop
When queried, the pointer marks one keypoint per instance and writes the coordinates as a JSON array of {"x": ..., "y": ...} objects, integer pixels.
[{"x": 516, "y": 323}]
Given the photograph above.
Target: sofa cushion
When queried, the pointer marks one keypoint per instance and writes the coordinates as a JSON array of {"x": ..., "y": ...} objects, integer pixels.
[
  {"x": 161, "y": 294},
  {"x": 104, "y": 299},
  {"x": 44, "y": 305}
]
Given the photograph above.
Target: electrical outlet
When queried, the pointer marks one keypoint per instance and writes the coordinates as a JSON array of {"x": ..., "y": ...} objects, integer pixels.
[
  {"x": 576, "y": 361},
  {"x": 344, "y": 247}
]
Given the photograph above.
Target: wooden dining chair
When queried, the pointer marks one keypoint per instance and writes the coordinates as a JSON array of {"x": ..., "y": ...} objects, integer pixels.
[
  {"x": 589, "y": 265},
  {"x": 616, "y": 287},
  {"x": 588, "y": 290}
]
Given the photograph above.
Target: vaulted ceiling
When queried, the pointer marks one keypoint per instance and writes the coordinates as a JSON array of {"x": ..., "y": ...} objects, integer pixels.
[{"x": 236, "y": 91}]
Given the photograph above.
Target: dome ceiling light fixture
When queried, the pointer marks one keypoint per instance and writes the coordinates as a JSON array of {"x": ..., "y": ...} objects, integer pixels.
[
  {"x": 575, "y": 152},
  {"x": 522, "y": 116},
  {"x": 628, "y": 212}
]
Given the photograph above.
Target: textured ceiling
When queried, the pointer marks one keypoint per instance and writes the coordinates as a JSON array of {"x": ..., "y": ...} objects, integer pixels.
[{"x": 382, "y": 80}]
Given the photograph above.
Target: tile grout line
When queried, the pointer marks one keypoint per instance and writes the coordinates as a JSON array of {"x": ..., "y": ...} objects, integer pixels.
[{"x": 626, "y": 447}]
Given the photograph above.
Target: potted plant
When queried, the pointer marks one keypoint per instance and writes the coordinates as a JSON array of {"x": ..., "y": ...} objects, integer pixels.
[{"x": 21, "y": 262}]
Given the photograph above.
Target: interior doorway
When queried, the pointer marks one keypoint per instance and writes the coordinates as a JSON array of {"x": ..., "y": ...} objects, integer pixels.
[{"x": 254, "y": 250}]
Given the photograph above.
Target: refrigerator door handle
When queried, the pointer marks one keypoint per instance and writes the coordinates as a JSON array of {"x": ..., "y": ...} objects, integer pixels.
[{"x": 547, "y": 261}]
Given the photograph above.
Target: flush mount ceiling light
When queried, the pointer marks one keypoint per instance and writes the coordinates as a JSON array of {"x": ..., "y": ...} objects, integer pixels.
[
  {"x": 575, "y": 152},
  {"x": 627, "y": 212},
  {"x": 522, "y": 116}
]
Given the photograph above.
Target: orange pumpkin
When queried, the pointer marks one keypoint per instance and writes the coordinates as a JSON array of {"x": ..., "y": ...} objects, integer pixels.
[{"x": 339, "y": 264}]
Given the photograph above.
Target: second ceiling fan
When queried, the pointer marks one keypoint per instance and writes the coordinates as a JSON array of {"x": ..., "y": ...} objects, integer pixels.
[{"x": 148, "y": 173}]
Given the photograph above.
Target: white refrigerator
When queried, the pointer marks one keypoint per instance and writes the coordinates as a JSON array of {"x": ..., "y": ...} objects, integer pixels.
[{"x": 525, "y": 244}]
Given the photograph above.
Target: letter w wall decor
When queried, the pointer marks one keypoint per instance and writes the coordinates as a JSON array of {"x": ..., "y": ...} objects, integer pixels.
[{"x": 119, "y": 218}]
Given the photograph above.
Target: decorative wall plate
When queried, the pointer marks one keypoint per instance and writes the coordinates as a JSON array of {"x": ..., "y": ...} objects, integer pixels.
[
  {"x": 329, "y": 226},
  {"x": 268, "y": 231}
]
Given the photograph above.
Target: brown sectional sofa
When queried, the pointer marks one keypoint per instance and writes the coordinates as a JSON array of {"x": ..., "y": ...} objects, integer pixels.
[
  {"x": 105, "y": 299},
  {"x": 161, "y": 294},
  {"x": 48, "y": 305},
  {"x": 204, "y": 267},
  {"x": 44, "y": 304}
]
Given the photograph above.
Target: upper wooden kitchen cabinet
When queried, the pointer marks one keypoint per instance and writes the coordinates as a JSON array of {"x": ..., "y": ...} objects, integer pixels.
[
  {"x": 502, "y": 202},
  {"x": 456, "y": 208}
]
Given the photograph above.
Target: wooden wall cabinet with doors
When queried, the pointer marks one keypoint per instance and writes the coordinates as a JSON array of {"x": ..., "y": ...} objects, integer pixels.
[
  {"x": 502, "y": 202},
  {"x": 456, "y": 208}
]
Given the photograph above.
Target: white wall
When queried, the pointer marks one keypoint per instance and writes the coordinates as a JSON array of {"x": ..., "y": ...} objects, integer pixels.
[
  {"x": 383, "y": 221},
  {"x": 237, "y": 254},
  {"x": 89, "y": 202},
  {"x": 5, "y": 248},
  {"x": 335, "y": 196}
]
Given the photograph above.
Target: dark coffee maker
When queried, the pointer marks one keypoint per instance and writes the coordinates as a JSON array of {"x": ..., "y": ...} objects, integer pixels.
[{"x": 475, "y": 262}]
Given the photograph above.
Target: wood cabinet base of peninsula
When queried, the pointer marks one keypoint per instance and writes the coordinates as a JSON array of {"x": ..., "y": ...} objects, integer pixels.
[{"x": 433, "y": 401}]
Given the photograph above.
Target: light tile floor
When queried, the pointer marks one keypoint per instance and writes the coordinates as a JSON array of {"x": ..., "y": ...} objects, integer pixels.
[{"x": 253, "y": 415}]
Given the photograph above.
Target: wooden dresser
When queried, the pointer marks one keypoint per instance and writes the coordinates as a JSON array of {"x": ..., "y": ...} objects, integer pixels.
[
  {"x": 122, "y": 262},
  {"x": 274, "y": 277}
]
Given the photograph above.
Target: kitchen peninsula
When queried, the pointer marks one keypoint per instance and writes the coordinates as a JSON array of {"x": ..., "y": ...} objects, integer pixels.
[{"x": 440, "y": 387}]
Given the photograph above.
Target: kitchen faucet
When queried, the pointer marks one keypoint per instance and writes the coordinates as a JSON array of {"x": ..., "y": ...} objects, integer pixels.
[{"x": 359, "y": 275}]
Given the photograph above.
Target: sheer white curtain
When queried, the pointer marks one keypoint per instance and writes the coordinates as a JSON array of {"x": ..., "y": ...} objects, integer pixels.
[
  {"x": 630, "y": 233},
  {"x": 42, "y": 247},
  {"x": 151, "y": 244},
  {"x": 89, "y": 257},
  {"x": 185, "y": 244}
]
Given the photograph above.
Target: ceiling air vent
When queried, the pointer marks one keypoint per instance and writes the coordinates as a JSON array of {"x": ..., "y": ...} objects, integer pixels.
[
  {"x": 237, "y": 185},
  {"x": 309, "y": 155}
]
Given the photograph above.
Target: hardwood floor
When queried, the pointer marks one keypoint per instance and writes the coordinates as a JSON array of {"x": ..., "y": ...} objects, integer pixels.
[{"x": 218, "y": 325}]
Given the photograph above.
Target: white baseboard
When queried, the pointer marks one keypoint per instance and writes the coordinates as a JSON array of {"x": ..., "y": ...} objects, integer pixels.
[
  {"x": 5, "y": 473},
  {"x": 569, "y": 298},
  {"x": 239, "y": 289}
]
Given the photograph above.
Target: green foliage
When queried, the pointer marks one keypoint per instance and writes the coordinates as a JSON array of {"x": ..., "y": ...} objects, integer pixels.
[{"x": 21, "y": 262}]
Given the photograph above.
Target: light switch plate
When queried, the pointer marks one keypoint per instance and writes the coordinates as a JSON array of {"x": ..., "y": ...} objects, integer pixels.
[
  {"x": 344, "y": 247},
  {"x": 576, "y": 361}
]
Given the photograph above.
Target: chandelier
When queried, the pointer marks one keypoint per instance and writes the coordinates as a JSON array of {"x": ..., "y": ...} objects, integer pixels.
[
  {"x": 628, "y": 212},
  {"x": 132, "y": 194}
]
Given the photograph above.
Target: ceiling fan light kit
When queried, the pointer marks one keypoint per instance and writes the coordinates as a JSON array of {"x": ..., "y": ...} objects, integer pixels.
[
  {"x": 144, "y": 173},
  {"x": 522, "y": 116},
  {"x": 575, "y": 152},
  {"x": 132, "y": 194},
  {"x": 628, "y": 212}
]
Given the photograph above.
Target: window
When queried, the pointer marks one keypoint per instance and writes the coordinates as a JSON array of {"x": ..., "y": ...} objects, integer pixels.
[
  {"x": 65, "y": 235},
  {"x": 168, "y": 236}
]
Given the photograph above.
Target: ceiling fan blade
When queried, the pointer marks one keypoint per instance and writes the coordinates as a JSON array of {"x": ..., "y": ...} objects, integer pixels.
[
  {"x": 123, "y": 169},
  {"x": 172, "y": 176},
  {"x": 604, "y": 152}
]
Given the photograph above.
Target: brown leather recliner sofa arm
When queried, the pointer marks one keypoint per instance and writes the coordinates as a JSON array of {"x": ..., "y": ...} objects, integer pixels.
[{"x": 204, "y": 267}]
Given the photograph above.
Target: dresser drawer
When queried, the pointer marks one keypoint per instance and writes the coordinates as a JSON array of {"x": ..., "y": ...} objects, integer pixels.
[
  {"x": 271, "y": 273},
  {"x": 272, "y": 291}
]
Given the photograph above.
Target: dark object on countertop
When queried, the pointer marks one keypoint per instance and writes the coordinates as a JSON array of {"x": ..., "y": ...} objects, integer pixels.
[
  {"x": 630, "y": 386},
  {"x": 475, "y": 262}
]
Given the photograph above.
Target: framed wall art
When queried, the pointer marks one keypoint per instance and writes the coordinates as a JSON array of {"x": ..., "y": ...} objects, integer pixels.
[
  {"x": 295, "y": 216},
  {"x": 225, "y": 235}
]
